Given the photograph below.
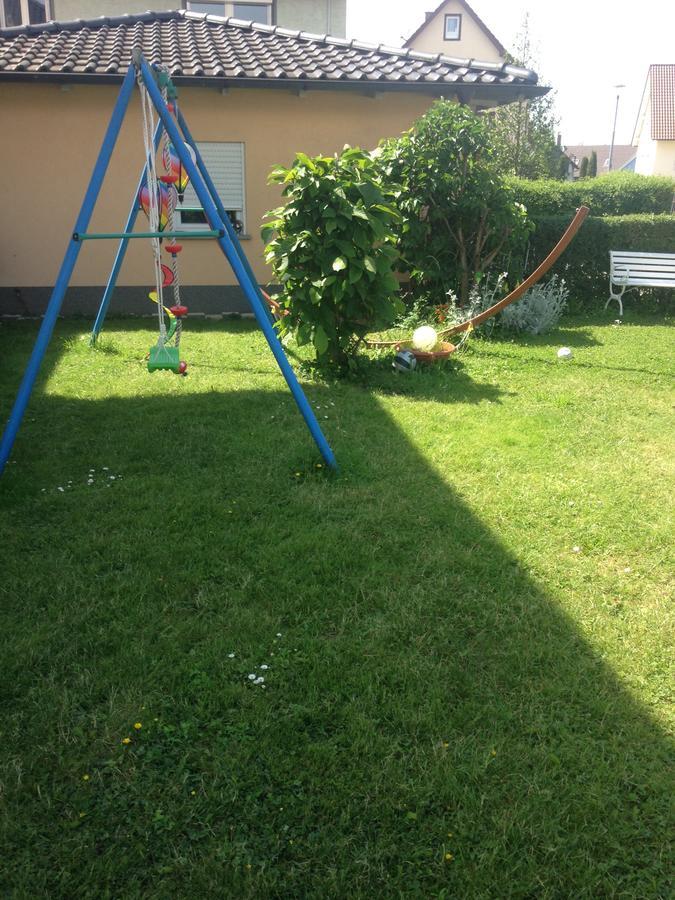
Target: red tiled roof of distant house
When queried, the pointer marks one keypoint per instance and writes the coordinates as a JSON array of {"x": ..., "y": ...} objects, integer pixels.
[{"x": 662, "y": 90}]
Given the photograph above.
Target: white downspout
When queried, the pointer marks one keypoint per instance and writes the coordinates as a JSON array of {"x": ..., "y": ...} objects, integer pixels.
[{"x": 329, "y": 16}]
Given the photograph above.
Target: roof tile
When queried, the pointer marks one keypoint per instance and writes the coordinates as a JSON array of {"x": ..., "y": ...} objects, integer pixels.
[
  {"x": 662, "y": 88},
  {"x": 194, "y": 45}
]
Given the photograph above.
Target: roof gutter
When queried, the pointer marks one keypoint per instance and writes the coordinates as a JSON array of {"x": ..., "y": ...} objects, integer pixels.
[{"x": 463, "y": 90}]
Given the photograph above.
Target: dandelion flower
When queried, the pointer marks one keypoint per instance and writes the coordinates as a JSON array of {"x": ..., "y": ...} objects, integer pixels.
[
  {"x": 126, "y": 740},
  {"x": 138, "y": 725},
  {"x": 85, "y": 777},
  {"x": 449, "y": 857}
]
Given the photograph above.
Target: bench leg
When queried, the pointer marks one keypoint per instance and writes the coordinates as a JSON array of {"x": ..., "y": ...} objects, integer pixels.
[{"x": 615, "y": 296}]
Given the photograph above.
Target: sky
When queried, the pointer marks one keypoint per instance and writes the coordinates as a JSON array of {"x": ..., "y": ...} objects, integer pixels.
[{"x": 582, "y": 50}]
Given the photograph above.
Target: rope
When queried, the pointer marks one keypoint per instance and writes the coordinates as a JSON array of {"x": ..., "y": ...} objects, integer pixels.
[
  {"x": 153, "y": 202},
  {"x": 173, "y": 196}
]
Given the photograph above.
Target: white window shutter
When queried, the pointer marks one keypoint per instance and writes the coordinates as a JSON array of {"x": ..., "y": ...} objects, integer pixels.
[{"x": 225, "y": 165}]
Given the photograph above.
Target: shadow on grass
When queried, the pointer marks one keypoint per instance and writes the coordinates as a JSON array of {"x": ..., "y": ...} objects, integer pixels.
[{"x": 433, "y": 724}]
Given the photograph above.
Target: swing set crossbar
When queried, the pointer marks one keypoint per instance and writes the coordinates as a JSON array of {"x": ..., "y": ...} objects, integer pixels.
[{"x": 127, "y": 235}]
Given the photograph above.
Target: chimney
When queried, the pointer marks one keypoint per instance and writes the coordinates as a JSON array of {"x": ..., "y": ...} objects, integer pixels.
[
  {"x": 427, "y": 16},
  {"x": 559, "y": 141}
]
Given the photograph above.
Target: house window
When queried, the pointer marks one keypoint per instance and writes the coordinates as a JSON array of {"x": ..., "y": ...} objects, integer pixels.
[
  {"x": 253, "y": 11},
  {"x": 225, "y": 165},
  {"x": 453, "y": 28},
  {"x": 23, "y": 12}
]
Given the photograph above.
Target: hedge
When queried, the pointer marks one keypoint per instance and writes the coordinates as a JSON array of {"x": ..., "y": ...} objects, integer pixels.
[
  {"x": 618, "y": 194},
  {"x": 585, "y": 263}
]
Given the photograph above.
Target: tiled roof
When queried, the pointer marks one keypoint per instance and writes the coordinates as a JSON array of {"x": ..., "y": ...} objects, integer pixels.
[
  {"x": 206, "y": 48},
  {"x": 621, "y": 154},
  {"x": 662, "y": 89}
]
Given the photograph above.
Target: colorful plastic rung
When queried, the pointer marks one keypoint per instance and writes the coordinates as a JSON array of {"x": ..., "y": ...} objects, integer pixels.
[{"x": 164, "y": 358}]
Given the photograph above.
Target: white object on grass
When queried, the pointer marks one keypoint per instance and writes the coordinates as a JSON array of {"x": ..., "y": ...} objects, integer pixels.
[
  {"x": 404, "y": 361},
  {"x": 424, "y": 338},
  {"x": 565, "y": 353}
]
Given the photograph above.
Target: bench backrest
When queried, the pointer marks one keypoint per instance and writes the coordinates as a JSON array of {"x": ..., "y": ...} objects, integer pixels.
[{"x": 648, "y": 269}]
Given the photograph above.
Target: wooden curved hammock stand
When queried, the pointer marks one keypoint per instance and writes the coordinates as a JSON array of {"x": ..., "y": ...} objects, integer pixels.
[
  {"x": 446, "y": 348},
  {"x": 515, "y": 294}
]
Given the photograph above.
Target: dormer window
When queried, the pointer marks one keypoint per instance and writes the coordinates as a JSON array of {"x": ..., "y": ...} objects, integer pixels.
[
  {"x": 23, "y": 12},
  {"x": 453, "y": 28}
]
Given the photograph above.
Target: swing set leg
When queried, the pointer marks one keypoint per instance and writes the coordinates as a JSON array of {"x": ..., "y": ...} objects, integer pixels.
[
  {"x": 242, "y": 271},
  {"x": 67, "y": 266},
  {"x": 121, "y": 251}
]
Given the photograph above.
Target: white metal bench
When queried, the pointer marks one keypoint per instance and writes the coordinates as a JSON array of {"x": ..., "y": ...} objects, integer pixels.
[{"x": 629, "y": 269}]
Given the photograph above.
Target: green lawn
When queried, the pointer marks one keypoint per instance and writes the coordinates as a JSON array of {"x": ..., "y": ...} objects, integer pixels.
[{"x": 466, "y": 630}]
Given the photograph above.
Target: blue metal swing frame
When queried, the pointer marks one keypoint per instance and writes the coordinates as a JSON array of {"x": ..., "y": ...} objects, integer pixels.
[{"x": 218, "y": 221}]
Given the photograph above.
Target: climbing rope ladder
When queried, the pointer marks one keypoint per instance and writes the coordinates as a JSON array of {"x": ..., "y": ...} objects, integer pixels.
[{"x": 158, "y": 199}]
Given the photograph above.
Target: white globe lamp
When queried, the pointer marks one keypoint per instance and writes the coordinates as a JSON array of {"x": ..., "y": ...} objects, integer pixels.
[{"x": 424, "y": 338}]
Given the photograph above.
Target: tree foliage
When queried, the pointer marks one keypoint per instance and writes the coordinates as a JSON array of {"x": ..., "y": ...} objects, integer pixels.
[
  {"x": 333, "y": 249},
  {"x": 583, "y": 167},
  {"x": 523, "y": 132},
  {"x": 593, "y": 165},
  {"x": 458, "y": 213}
]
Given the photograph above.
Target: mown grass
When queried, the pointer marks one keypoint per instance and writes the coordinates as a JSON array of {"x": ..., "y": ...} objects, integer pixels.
[{"x": 466, "y": 630}]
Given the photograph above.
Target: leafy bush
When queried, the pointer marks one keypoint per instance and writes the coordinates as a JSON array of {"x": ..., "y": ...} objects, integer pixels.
[
  {"x": 538, "y": 310},
  {"x": 585, "y": 263},
  {"x": 621, "y": 193},
  {"x": 333, "y": 249},
  {"x": 459, "y": 215}
]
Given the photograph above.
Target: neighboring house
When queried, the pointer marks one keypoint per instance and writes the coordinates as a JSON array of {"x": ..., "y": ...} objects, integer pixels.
[
  {"x": 654, "y": 131},
  {"x": 455, "y": 30},
  {"x": 253, "y": 96},
  {"x": 623, "y": 156},
  {"x": 318, "y": 16}
]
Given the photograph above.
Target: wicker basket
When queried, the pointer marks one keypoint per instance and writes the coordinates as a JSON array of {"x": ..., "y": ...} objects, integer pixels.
[{"x": 442, "y": 351}]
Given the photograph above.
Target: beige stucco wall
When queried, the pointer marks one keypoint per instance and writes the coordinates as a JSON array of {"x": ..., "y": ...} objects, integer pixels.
[
  {"x": 51, "y": 138},
  {"x": 318, "y": 16},
  {"x": 664, "y": 161},
  {"x": 653, "y": 157},
  {"x": 473, "y": 43}
]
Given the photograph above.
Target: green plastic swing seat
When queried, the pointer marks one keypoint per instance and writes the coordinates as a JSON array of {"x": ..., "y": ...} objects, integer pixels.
[{"x": 164, "y": 358}]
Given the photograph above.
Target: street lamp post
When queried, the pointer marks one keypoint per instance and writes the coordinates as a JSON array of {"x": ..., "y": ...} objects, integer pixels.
[{"x": 616, "y": 112}]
